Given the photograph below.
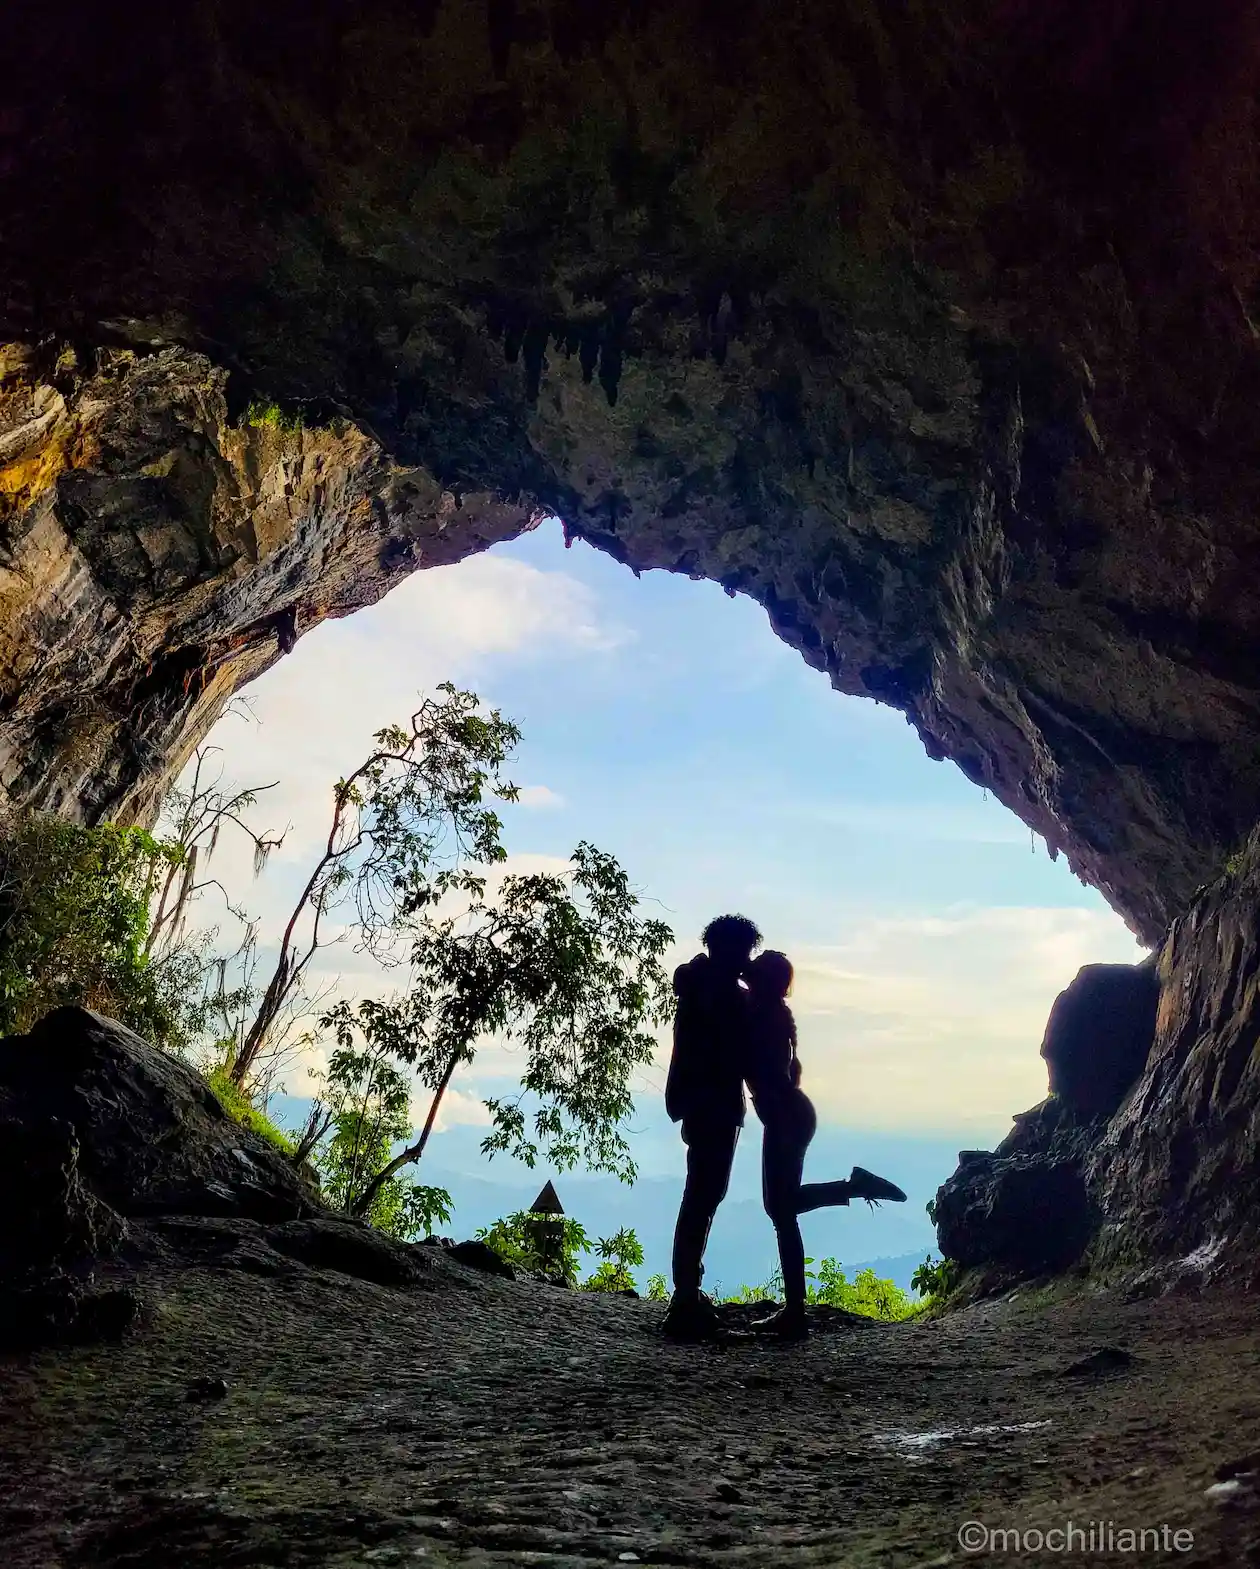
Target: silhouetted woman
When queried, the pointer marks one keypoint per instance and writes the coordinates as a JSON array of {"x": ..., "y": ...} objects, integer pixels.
[{"x": 789, "y": 1122}]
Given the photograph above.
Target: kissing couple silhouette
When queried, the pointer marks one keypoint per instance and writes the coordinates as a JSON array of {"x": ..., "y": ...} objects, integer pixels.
[{"x": 733, "y": 1027}]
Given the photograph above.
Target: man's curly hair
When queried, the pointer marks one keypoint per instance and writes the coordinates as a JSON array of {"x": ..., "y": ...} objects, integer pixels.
[{"x": 731, "y": 931}]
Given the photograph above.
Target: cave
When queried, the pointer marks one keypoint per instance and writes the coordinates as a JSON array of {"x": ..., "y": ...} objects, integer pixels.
[{"x": 932, "y": 328}]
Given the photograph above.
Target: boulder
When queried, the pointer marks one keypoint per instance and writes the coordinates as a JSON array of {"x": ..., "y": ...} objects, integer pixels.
[
  {"x": 1025, "y": 1206},
  {"x": 1177, "y": 1171},
  {"x": 350, "y": 1247},
  {"x": 1024, "y": 1213},
  {"x": 52, "y": 1232},
  {"x": 1099, "y": 1036},
  {"x": 96, "y": 1126},
  {"x": 150, "y": 1135}
]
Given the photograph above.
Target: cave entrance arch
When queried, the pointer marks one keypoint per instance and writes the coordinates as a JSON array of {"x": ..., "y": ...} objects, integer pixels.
[{"x": 664, "y": 722}]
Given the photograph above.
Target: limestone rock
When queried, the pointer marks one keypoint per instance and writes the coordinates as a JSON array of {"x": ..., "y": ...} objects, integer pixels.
[
  {"x": 149, "y": 1136},
  {"x": 479, "y": 1255},
  {"x": 1099, "y": 1036},
  {"x": 1024, "y": 1207},
  {"x": 1024, "y": 1213},
  {"x": 1178, "y": 1170},
  {"x": 53, "y": 1231},
  {"x": 350, "y": 1247}
]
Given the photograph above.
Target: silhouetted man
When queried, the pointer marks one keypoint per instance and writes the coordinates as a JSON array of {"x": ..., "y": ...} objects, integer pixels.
[{"x": 705, "y": 1093}]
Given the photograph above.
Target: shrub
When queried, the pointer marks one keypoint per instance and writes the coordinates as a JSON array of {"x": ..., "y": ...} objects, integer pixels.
[
  {"x": 935, "y": 1280},
  {"x": 544, "y": 1244},
  {"x": 74, "y": 917},
  {"x": 272, "y": 415},
  {"x": 620, "y": 1253},
  {"x": 829, "y": 1286},
  {"x": 866, "y": 1293}
]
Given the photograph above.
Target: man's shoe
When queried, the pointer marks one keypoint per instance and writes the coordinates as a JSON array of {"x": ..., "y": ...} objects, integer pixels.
[
  {"x": 690, "y": 1319},
  {"x": 787, "y": 1324},
  {"x": 866, "y": 1185}
]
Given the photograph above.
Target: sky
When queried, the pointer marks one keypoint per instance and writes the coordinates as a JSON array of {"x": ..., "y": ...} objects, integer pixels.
[{"x": 665, "y": 722}]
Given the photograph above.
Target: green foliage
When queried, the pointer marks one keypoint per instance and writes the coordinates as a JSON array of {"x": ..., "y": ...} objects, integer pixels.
[
  {"x": 936, "y": 1279},
  {"x": 564, "y": 964},
  {"x": 771, "y": 1291},
  {"x": 551, "y": 1245},
  {"x": 544, "y": 1244},
  {"x": 273, "y": 416},
  {"x": 657, "y": 1289},
  {"x": 241, "y": 1109},
  {"x": 866, "y": 1293},
  {"x": 365, "y": 1114},
  {"x": 829, "y": 1286},
  {"x": 74, "y": 918},
  {"x": 619, "y": 1254}
]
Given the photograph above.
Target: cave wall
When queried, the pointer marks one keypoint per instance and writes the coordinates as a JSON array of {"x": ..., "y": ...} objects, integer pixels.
[
  {"x": 930, "y": 326},
  {"x": 1143, "y": 1163},
  {"x": 159, "y": 556},
  {"x": 1177, "y": 1170}
]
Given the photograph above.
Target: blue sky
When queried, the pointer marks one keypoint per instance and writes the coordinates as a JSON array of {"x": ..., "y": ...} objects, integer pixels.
[{"x": 665, "y": 722}]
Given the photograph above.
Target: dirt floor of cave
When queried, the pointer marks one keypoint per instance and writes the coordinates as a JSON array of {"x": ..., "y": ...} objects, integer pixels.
[{"x": 477, "y": 1421}]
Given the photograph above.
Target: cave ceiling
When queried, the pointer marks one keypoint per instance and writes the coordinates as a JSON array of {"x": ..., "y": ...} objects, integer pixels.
[{"x": 931, "y": 326}]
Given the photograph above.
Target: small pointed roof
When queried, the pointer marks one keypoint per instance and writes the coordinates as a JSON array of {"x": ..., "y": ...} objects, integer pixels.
[{"x": 547, "y": 1202}]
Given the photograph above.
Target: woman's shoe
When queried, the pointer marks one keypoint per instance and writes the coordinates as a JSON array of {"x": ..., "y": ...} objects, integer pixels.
[{"x": 866, "y": 1185}]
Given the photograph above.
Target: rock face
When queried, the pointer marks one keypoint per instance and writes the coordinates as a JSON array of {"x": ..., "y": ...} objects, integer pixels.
[
  {"x": 155, "y": 555},
  {"x": 1178, "y": 1169},
  {"x": 850, "y": 309},
  {"x": 1024, "y": 1209},
  {"x": 1131, "y": 1167},
  {"x": 151, "y": 1138}
]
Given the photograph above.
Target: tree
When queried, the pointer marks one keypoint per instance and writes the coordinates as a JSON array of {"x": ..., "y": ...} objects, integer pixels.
[
  {"x": 193, "y": 819},
  {"x": 405, "y": 826},
  {"x": 560, "y": 962}
]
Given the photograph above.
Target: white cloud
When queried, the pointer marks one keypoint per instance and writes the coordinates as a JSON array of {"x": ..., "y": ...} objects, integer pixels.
[
  {"x": 539, "y": 797},
  {"x": 458, "y": 1109},
  {"x": 935, "y": 1022},
  {"x": 319, "y": 707}
]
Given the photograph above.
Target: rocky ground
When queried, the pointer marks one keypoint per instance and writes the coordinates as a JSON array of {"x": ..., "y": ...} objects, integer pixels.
[{"x": 465, "y": 1419}]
